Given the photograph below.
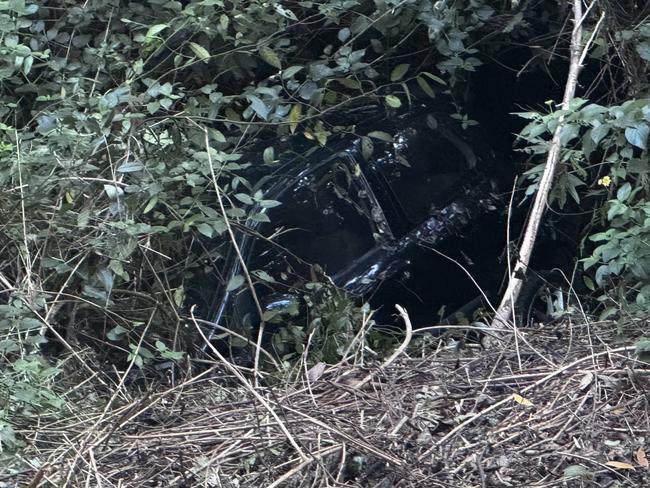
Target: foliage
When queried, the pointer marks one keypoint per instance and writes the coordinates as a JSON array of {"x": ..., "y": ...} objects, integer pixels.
[
  {"x": 605, "y": 160},
  {"x": 109, "y": 207},
  {"x": 26, "y": 379},
  {"x": 329, "y": 330},
  {"x": 616, "y": 136},
  {"x": 106, "y": 106}
]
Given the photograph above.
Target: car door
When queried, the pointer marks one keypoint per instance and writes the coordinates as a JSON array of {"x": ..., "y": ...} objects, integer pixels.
[{"x": 328, "y": 217}]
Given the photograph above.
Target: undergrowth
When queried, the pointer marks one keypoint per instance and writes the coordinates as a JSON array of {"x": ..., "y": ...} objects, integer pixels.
[{"x": 109, "y": 209}]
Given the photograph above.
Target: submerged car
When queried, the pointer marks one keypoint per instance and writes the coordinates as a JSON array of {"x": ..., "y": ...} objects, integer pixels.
[{"x": 406, "y": 215}]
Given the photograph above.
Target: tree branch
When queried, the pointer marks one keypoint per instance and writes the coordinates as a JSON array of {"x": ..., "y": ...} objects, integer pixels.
[{"x": 504, "y": 316}]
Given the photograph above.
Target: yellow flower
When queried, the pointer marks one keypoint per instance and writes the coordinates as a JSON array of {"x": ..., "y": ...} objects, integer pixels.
[{"x": 605, "y": 181}]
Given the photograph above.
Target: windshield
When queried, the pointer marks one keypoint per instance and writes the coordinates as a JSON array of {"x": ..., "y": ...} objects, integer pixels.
[
  {"x": 423, "y": 167},
  {"x": 325, "y": 219}
]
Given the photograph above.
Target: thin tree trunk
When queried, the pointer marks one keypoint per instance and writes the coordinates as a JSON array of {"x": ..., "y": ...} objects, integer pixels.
[{"x": 504, "y": 316}]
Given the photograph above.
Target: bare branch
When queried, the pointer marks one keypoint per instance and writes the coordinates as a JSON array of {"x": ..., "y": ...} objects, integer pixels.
[{"x": 504, "y": 316}]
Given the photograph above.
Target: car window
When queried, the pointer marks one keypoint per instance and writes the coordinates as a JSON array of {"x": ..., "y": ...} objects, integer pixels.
[
  {"x": 422, "y": 167},
  {"x": 324, "y": 219}
]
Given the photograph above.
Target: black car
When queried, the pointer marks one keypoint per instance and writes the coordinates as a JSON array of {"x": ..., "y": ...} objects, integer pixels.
[{"x": 400, "y": 216}]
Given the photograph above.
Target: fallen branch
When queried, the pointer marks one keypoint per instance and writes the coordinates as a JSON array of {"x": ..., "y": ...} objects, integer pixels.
[
  {"x": 398, "y": 352},
  {"x": 294, "y": 471},
  {"x": 509, "y": 399},
  {"x": 253, "y": 390}
]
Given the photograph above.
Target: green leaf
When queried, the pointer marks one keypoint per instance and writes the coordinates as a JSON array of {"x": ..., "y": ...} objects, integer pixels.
[
  {"x": 642, "y": 346},
  {"x": 93, "y": 292},
  {"x": 7, "y": 436},
  {"x": 130, "y": 167},
  {"x": 7, "y": 346},
  {"x": 264, "y": 276},
  {"x": 615, "y": 208},
  {"x": 643, "y": 48},
  {"x": 592, "y": 112},
  {"x": 426, "y": 88},
  {"x": 29, "y": 323},
  {"x": 407, "y": 92},
  {"x": 601, "y": 273},
  {"x": 638, "y": 136},
  {"x": 205, "y": 229},
  {"x": 137, "y": 66},
  {"x": 113, "y": 191},
  {"x": 393, "y": 101},
  {"x": 150, "y": 204},
  {"x": 116, "y": 333},
  {"x": 599, "y": 132},
  {"x": 349, "y": 82},
  {"x": 268, "y": 155},
  {"x": 435, "y": 78},
  {"x": 155, "y": 29},
  {"x": 217, "y": 135},
  {"x": 235, "y": 282},
  {"x": 294, "y": 117},
  {"x": 291, "y": 72},
  {"x": 577, "y": 471},
  {"x": 179, "y": 296},
  {"x": 270, "y": 56},
  {"x": 589, "y": 283},
  {"x": 105, "y": 277},
  {"x": 367, "y": 148},
  {"x": 152, "y": 107},
  {"x": 27, "y": 64},
  {"x": 260, "y": 217},
  {"x": 242, "y": 197},
  {"x": 83, "y": 217},
  {"x": 568, "y": 133},
  {"x": 172, "y": 355},
  {"x": 137, "y": 360},
  {"x": 200, "y": 52},
  {"x": 258, "y": 106},
  {"x": 399, "y": 72},
  {"x": 381, "y": 135},
  {"x": 623, "y": 192},
  {"x": 534, "y": 130},
  {"x": 269, "y": 203}
]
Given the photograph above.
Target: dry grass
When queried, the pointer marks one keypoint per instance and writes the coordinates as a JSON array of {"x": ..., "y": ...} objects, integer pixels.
[{"x": 436, "y": 417}]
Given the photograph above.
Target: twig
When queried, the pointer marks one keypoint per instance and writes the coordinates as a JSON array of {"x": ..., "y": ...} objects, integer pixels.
[
  {"x": 509, "y": 260},
  {"x": 297, "y": 469},
  {"x": 466, "y": 271},
  {"x": 27, "y": 257},
  {"x": 479, "y": 465},
  {"x": 103, "y": 51},
  {"x": 240, "y": 258},
  {"x": 252, "y": 389},
  {"x": 214, "y": 325},
  {"x": 509, "y": 399},
  {"x": 39, "y": 476},
  {"x": 360, "y": 443},
  {"x": 407, "y": 339}
]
